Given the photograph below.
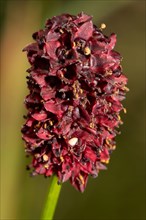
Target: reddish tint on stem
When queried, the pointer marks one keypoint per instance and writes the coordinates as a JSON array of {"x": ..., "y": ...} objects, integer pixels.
[{"x": 76, "y": 87}]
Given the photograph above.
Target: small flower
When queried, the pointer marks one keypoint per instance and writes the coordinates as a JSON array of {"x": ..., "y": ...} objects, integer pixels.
[{"x": 76, "y": 86}]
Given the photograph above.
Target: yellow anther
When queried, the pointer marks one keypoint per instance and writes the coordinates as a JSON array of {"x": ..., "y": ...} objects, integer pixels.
[
  {"x": 105, "y": 161},
  {"x": 125, "y": 110},
  {"x": 76, "y": 89},
  {"x": 76, "y": 96},
  {"x": 45, "y": 125},
  {"x": 45, "y": 157},
  {"x": 91, "y": 125},
  {"x": 87, "y": 51},
  {"x": 46, "y": 166},
  {"x": 82, "y": 179},
  {"x": 61, "y": 31},
  {"x": 73, "y": 141},
  {"x": 107, "y": 142},
  {"x": 113, "y": 147},
  {"x": 74, "y": 44},
  {"x": 61, "y": 158},
  {"x": 126, "y": 88},
  {"x": 51, "y": 123},
  {"x": 102, "y": 26},
  {"x": 119, "y": 118}
]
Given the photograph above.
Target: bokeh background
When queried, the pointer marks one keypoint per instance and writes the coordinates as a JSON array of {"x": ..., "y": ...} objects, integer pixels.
[{"x": 117, "y": 194}]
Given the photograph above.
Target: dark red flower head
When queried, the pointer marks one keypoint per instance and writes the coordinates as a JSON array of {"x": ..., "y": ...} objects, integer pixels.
[{"x": 76, "y": 87}]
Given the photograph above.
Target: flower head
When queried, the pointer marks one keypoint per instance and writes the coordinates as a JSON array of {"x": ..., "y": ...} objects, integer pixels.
[{"x": 76, "y": 87}]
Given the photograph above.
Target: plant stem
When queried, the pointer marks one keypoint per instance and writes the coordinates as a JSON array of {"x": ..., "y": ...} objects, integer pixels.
[{"x": 52, "y": 199}]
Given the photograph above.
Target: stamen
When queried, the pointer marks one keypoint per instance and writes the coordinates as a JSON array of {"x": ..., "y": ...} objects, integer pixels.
[
  {"x": 82, "y": 179},
  {"x": 51, "y": 122},
  {"x": 125, "y": 110},
  {"x": 45, "y": 157},
  {"x": 74, "y": 45},
  {"x": 105, "y": 161},
  {"x": 73, "y": 141},
  {"x": 102, "y": 26},
  {"x": 87, "y": 51},
  {"x": 46, "y": 166},
  {"x": 45, "y": 125},
  {"x": 126, "y": 89},
  {"x": 61, "y": 158},
  {"x": 61, "y": 31}
]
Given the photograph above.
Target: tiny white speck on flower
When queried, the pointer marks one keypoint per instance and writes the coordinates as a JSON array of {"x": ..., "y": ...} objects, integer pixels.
[
  {"x": 73, "y": 141},
  {"x": 103, "y": 26},
  {"x": 45, "y": 157}
]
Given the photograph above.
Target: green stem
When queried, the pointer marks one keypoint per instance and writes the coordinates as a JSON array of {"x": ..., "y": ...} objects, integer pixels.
[{"x": 52, "y": 199}]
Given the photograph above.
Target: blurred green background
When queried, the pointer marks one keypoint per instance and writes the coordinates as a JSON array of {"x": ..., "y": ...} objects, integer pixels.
[{"x": 117, "y": 194}]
